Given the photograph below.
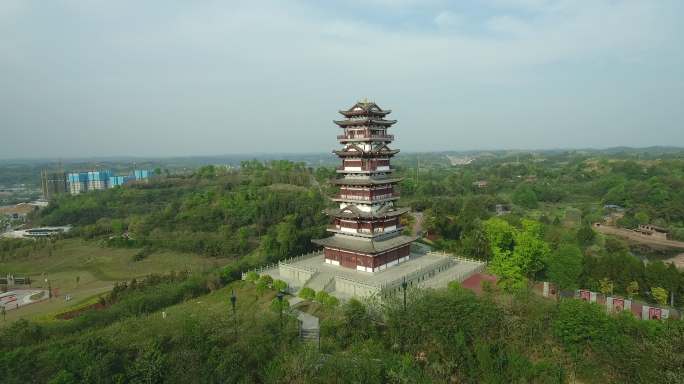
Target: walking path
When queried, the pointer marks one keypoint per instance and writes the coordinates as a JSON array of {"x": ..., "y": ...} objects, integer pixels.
[
  {"x": 309, "y": 327},
  {"x": 308, "y": 321}
]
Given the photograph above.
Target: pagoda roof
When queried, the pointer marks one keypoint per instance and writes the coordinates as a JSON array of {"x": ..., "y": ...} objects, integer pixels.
[
  {"x": 363, "y": 122},
  {"x": 365, "y": 245},
  {"x": 364, "y": 107},
  {"x": 353, "y": 212},
  {"x": 367, "y": 181},
  {"x": 355, "y": 150}
]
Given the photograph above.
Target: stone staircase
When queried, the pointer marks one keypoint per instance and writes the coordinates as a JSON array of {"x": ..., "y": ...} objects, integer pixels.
[
  {"x": 310, "y": 335},
  {"x": 309, "y": 328},
  {"x": 318, "y": 281}
]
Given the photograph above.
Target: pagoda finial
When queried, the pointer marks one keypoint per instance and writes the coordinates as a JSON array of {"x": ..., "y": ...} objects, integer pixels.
[{"x": 364, "y": 101}]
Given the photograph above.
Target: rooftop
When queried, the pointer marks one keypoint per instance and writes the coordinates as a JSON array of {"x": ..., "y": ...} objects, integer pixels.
[
  {"x": 363, "y": 122},
  {"x": 364, "y": 245},
  {"x": 365, "y": 106}
]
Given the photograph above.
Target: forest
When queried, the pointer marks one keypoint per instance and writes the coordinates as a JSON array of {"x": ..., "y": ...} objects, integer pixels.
[
  {"x": 263, "y": 212},
  {"x": 447, "y": 335}
]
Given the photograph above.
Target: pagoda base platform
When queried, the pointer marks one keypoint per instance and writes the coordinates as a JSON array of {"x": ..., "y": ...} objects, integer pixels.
[
  {"x": 364, "y": 262},
  {"x": 366, "y": 255},
  {"x": 423, "y": 269}
]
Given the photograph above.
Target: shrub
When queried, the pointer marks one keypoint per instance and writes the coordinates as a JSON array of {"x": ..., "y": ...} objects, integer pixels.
[
  {"x": 324, "y": 298},
  {"x": 307, "y": 293},
  {"x": 142, "y": 254},
  {"x": 579, "y": 323},
  {"x": 332, "y": 301},
  {"x": 454, "y": 286},
  {"x": 279, "y": 285},
  {"x": 252, "y": 276},
  {"x": 266, "y": 279}
]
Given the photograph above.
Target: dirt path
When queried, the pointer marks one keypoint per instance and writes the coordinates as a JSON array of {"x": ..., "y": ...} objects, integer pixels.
[
  {"x": 678, "y": 261},
  {"x": 626, "y": 233}
]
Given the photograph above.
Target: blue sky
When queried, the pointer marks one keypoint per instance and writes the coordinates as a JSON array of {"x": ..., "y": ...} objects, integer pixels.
[{"x": 175, "y": 78}]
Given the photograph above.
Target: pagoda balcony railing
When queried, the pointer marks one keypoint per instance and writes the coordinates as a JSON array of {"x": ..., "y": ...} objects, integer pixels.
[
  {"x": 367, "y": 198},
  {"x": 367, "y": 169},
  {"x": 365, "y": 137},
  {"x": 362, "y": 231}
]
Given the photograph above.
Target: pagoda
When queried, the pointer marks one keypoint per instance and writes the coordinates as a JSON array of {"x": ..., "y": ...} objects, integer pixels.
[{"x": 366, "y": 225}]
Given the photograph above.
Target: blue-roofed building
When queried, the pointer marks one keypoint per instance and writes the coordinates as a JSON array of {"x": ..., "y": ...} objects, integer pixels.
[
  {"x": 78, "y": 182},
  {"x": 117, "y": 181},
  {"x": 142, "y": 174},
  {"x": 98, "y": 179},
  {"x": 101, "y": 179}
]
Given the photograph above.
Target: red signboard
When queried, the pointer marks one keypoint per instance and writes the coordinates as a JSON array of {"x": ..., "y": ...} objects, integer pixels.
[
  {"x": 654, "y": 313},
  {"x": 618, "y": 304},
  {"x": 585, "y": 295}
]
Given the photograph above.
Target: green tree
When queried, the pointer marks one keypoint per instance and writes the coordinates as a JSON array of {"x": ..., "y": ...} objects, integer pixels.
[
  {"x": 585, "y": 235},
  {"x": 632, "y": 289},
  {"x": 564, "y": 266},
  {"x": 525, "y": 196},
  {"x": 606, "y": 286},
  {"x": 660, "y": 295},
  {"x": 150, "y": 365},
  {"x": 278, "y": 305},
  {"x": 579, "y": 323},
  {"x": 516, "y": 254}
]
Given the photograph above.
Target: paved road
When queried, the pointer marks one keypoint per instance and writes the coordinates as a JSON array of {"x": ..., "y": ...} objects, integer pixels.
[{"x": 19, "y": 298}]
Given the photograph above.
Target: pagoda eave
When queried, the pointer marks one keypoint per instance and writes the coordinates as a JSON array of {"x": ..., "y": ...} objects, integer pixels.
[
  {"x": 343, "y": 200},
  {"x": 364, "y": 122},
  {"x": 363, "y": 112},
  {"x": 370, "y": 181},
  {"x": 366, "y": 154},
  {"x": 365, "y": 246},
  {"x": 336, "y": 212}
]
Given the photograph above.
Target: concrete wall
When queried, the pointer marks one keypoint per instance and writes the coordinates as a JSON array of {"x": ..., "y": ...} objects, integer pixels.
[
  {"x": 299, "y": 275},
  {"x": 354, "y": 288}
]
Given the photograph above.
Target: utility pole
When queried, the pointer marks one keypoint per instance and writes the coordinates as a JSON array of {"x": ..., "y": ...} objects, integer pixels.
[
  {"x": 280, "y": 296},
  {"x": 233, "y": 301}
]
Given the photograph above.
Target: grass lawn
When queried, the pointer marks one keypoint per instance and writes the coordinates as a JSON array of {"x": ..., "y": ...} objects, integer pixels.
[
  {"x": 211, "y": 310},
  {"x": 97, "y": 268}
]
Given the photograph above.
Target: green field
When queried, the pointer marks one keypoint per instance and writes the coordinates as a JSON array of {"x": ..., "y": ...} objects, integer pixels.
[{"x": 97, "y": 268}]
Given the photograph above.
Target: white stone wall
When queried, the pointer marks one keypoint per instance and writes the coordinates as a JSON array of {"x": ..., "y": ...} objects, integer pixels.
[{"x": 299, "y": 275}]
